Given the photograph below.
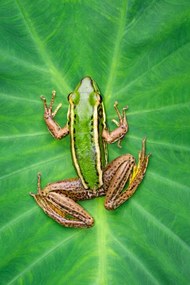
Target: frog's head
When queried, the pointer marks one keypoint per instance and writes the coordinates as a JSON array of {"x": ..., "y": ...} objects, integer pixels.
[
  {"x": 86, "y": 85},
  {"x": 86, "y": 92}
]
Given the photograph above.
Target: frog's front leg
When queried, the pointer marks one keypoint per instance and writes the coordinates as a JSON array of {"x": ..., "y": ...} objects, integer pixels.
[
  {"x": 120, "y": 131},
  {"x": 54, "y": 128},
  {"x": 118, "y": 172},
  {"x": 58, "y": 201}
]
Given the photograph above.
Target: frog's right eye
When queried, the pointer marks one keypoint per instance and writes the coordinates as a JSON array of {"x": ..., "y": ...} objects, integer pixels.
[{"x": 73, "y": 98}]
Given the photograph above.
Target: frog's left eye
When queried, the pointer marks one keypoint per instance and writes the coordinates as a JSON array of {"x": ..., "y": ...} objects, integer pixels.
[{"x": 73, "y": 98}]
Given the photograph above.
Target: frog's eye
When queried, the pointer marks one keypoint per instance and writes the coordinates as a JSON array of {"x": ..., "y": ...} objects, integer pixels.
[
  {"x": 73, "y": 98},
  {"x": 95, "y": 99}
]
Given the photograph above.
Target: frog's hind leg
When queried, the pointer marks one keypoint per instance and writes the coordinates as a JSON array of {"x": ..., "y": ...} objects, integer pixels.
[
  {"x": 64, "y": 210},
  {"x": 57, "y": 200},
  {"x": 118, "y": 173}
]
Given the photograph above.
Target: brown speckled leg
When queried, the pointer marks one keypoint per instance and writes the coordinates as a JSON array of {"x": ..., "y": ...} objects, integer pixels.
[
  {"x": 64, "y": 210},
  {"x": 119, "y": 172},
  {"x": 54, "y": 128},
  {"x": 57, "y": 200},
  {"x": 122, "y": 127}
]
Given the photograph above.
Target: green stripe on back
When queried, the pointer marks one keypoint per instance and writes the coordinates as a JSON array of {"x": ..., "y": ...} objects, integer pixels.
[{"x": 86, "y": 141}]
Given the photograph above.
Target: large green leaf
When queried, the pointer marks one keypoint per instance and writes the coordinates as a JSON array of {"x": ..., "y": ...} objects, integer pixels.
[{"x": 138, "y": 53}]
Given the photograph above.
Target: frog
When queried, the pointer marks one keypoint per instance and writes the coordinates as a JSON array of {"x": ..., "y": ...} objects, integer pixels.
[{"x": 86, "y": 124}]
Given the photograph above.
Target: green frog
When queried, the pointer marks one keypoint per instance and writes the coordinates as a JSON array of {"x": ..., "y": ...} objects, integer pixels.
[{"x": 89, "y": 136}]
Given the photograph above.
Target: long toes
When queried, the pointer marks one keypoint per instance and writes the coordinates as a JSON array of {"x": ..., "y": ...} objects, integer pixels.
[{"x": 43, "y": 98}]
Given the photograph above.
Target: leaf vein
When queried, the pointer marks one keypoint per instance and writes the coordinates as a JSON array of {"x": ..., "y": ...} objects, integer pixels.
[
  {"x": 31, "y": 166},
  {"x": 43, "y": 52},
  {"x": 157, "y": 64},
  {"x": 137, "y": 261},
  {"x": 161, "y": 226},
  {"x": 116, "y": 51},
  {"x": 39, "y": 259}
]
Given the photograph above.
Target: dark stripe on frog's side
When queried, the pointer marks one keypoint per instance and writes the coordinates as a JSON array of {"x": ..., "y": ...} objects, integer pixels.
[
  {"x": 101, "y": 127},
  {"x": 86, "y": 144}
]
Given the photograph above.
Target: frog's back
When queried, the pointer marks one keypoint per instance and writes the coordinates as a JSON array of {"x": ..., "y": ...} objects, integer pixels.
[{"x": 88, "y": 148}]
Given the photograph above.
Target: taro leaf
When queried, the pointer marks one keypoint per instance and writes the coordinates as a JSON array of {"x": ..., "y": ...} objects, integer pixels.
[{"x": 138, "y": 53}]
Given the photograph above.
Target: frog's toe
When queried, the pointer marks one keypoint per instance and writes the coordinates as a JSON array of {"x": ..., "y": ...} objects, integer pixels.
[{"x": 89, "y": 222}]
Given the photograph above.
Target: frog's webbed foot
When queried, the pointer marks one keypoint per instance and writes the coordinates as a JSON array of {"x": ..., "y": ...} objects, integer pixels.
[
  {"x": 125, "y": 169},
  {"x": 54, "y": 201},
  {"x": 48, "y": 113}
]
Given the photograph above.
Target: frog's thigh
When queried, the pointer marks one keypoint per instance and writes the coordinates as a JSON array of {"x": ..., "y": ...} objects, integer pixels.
[
  {"x": 64, "y": 210},
  {"x": 123, "y": 164},
  {"x": 125, "y": 168},
  {"x": 116, "y": 176}
]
